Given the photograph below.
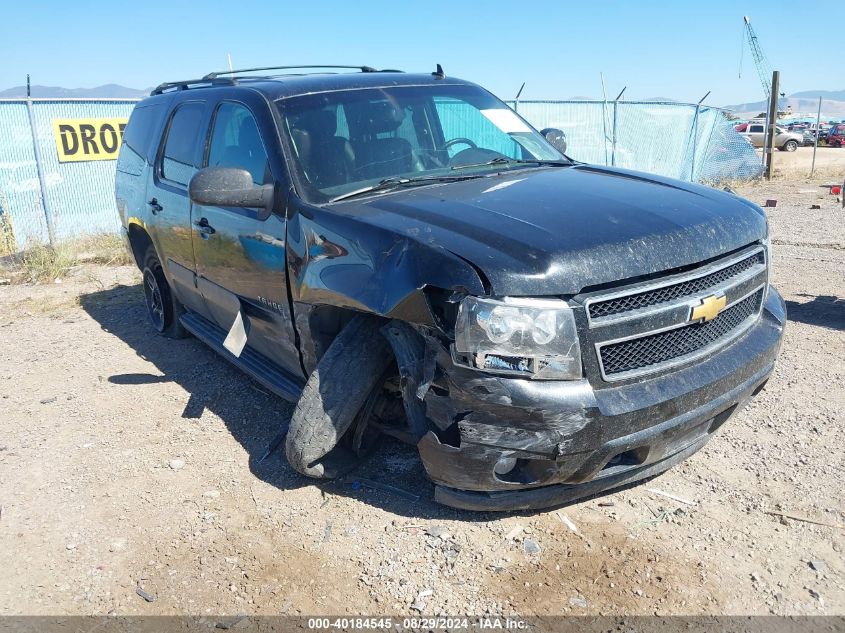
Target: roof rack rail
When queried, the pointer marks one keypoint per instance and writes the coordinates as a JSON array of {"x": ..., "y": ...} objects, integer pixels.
[
  {"x": 219, "y": 78},
  {"x": 215, "y": 75},
  {"x": 188, "y": 83}
]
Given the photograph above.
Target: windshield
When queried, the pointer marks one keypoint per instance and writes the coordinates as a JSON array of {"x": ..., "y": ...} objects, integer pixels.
[{"x": 348, "y": 141}]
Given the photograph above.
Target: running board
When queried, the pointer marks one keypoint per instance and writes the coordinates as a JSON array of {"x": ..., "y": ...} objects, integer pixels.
[{"x": 250, "y": 362}]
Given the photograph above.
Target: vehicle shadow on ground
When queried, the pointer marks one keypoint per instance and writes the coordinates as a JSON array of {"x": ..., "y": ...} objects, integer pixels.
[
  {"x": 256, "y": 418},
  {"x": 823, "y": 310}
]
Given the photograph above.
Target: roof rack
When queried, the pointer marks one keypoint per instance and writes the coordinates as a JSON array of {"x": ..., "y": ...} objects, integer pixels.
[
  {"x": 363, "y": 69},
  {"x": 219, "y": 78},
  {"x": 188, "y": 83}
]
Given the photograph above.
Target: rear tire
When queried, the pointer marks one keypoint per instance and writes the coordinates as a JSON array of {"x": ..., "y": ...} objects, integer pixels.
[
  {"x": 349, "y": 371},
  {"x": 163, "y": 307}
]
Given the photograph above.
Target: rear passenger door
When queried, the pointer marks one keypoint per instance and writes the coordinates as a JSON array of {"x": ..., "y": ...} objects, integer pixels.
[
  {"x": 240, "y": 253},
  {"x": 179, "y": 155}
]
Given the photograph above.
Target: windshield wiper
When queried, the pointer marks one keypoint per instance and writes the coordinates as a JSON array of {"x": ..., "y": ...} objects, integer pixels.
[
  {"x": 393, "y": 183},
  {"x": 503, "y": 160}
]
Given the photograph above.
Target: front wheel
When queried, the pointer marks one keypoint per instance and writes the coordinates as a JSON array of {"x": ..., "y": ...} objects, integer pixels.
[
  {"x": 790, "y": 146},
  {"x": 163, "y": 307},
  {"x": 337, "y": 392}
]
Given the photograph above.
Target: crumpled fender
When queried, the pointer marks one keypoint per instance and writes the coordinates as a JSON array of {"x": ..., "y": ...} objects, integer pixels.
[{"x": 334, "y": 260}]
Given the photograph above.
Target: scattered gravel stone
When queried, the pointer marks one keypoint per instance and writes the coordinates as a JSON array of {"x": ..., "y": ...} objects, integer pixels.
[
  {"x": 146, "y": 596},
  {"x": 578, "y": 601},
  {"x": 439, "y": 531},
  {"x": 117, "y": 545},
  {"x": 176, "y": 464},
  {"x": 514, "y": 533},
  {"x": 531, "y": 546}
]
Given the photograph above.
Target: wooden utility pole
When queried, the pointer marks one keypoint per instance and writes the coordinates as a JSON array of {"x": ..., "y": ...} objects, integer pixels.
[{"x": 772, "y": 121}]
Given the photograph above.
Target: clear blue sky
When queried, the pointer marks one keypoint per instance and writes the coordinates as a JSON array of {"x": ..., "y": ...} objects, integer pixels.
[{"x": 676, "y": 49}]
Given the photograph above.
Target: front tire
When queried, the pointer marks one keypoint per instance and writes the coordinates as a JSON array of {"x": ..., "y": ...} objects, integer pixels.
[
  {"x": 790, "y": 146},
  {"x": 163, "y": 307},
  {"x": 346, "y": 376}
]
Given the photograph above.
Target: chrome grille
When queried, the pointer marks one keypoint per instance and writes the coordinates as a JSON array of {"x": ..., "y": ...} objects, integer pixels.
[
  {"x": 656, "y": 349},
  {"x": 647, "y": 326},
  {"x": 667, "y": 294}
]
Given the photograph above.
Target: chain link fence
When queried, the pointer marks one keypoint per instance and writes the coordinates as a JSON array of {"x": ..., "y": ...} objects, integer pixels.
[
  {"x": 47, "y": 198},
  {"x": 44, "y": 199},
  {"x": 685, "y": 141}
]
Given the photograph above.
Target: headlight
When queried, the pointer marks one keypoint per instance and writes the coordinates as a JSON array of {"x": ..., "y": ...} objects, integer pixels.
[{"x": 535, "y": 338}]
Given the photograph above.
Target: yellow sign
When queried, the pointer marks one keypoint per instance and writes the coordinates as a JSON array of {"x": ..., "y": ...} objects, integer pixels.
[
  {"x": 709, "y": 309},
  {"x": 88, "y": 139}
]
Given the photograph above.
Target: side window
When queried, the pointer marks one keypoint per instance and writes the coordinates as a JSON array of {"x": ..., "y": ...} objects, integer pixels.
[
  {"x": 137, "y": 138},
  {"x": 180, "y": 147},
  {"x": 755, "y": 129},
  {"x": 235, "y": 142}
]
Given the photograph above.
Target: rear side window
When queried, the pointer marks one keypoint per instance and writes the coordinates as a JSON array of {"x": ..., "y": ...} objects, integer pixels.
[
  {"x": 236, "y": 142},
  {"x": 137, "y": 138},
  {"x": 180, "y": 147}
]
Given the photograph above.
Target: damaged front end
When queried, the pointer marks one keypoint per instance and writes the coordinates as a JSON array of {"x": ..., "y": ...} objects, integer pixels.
[{"x": 504, "y": 442}]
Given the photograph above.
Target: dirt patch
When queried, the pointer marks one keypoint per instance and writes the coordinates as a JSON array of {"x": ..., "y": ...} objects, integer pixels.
[
  {"x": 131, "y": 461},
  {"x": 830, "y": 163}
]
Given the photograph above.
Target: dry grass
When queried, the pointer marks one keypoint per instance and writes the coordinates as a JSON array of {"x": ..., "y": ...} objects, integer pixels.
[
  {"x": 7, "y": 235},
  {"x": 46, "y": 264},
  {"x": 794, "y": 173}
]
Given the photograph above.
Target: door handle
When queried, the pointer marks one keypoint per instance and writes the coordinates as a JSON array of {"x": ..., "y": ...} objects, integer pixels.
[
  {"x": 155, "y": 206},
  {"x": 203, "y": 226}
]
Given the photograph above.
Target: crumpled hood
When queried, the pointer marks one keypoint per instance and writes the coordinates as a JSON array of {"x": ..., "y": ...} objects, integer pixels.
[{"x": 557, "y": 231}]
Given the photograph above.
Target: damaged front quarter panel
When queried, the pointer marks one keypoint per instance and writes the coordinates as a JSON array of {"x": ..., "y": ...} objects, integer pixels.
[{"x": 337, "y": 263}]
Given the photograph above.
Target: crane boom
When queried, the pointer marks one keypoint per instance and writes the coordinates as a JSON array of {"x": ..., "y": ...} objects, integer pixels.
[{"x": 760, "y": 61}]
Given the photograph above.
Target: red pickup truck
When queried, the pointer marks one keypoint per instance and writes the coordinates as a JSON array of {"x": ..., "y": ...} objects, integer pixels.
[{"x": 836, "y": 135}]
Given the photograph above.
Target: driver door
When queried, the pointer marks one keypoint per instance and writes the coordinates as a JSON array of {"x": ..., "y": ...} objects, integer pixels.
[{"x": 240, "y": 252}]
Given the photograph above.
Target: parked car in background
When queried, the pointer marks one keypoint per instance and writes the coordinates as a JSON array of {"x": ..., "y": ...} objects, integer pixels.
[
  {"x": 809, "y": 139},
  {"x": 785, "y": 141},
  {"x": 836, "y": 136},
  {"x": 821, "y": 132}
]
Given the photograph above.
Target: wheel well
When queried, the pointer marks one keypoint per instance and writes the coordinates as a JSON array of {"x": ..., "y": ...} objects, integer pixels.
[
  {"x": 318, "y": 329},
  {"x": 140, "y": 241}
]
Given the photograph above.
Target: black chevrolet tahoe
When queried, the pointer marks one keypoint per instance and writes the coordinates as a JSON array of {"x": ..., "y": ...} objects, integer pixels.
[{"x": 404, "y": 255}]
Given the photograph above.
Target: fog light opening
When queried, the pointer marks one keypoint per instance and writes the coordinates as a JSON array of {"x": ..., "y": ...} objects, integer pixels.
[{"x": 504, "y": 465}]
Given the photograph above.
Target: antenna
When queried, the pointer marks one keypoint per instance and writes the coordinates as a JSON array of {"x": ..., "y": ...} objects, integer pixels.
[
  {"x": 229, "y": 57},
  {"x": 438, "y": 73}
]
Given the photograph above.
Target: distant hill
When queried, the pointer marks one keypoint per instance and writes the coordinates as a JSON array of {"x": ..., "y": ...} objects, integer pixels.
[
  {"x": 836, "y": 95},
  {"x": 807, "y": 101},
  {"x": 108, "y": 91}
]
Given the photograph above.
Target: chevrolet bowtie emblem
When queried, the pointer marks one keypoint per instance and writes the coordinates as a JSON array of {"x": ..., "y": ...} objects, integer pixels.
[{"x": 709, "y": 309}]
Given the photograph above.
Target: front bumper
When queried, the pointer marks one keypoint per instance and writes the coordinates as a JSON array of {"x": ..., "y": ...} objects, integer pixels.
[{"x": 572, "y": 440}]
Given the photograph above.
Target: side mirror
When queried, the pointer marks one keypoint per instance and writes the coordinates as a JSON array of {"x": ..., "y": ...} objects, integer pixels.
[
  {"x": 228, "y": 187},
  {"x": 556, "y": 138}
]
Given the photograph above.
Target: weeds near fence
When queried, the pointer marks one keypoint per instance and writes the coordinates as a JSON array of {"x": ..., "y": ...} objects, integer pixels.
[
  {"x": 46, "y": 264},
  {"x": 7, "y": 236}
]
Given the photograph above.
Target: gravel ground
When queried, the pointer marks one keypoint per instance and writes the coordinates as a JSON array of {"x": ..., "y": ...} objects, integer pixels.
[{"x": 129, "y": 462}]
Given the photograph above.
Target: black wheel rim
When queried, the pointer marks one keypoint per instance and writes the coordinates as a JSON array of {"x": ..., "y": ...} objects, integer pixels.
[{"x": 155, "y": 304}]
